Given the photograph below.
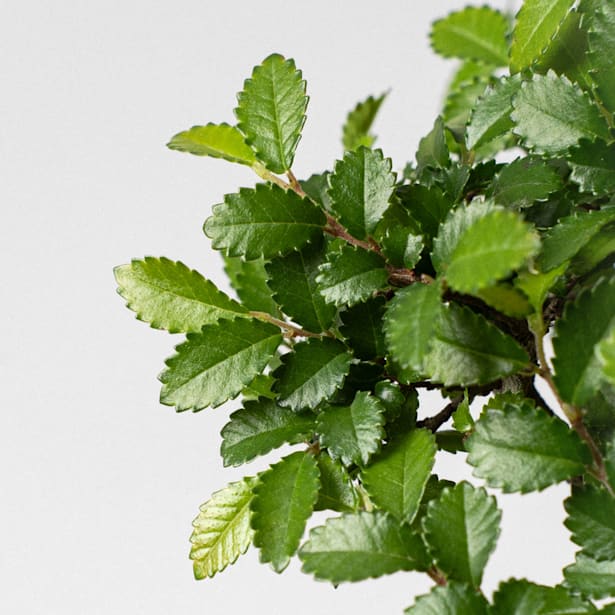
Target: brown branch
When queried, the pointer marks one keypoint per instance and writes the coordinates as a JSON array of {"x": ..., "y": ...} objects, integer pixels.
[{"x": 433, "y": 423}]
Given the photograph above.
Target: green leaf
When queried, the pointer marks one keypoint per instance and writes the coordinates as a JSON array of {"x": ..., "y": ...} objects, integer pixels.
[
  {"x": 462, "y": 417},
  {"x": 578, "y": 372},
  {"x": 317, "y": 188},
  {"x": 536, "y": 285},
  {"x": 490, "y": 249},
  {"x": 520, "y": 597},
  {"x": 271, "y": 111},
  {"x": 525, "y": 181},
  {"x": 521, "y": 448},
  {"x": 359, "y": 122},
  {"x": 336, "y": 489},
  {"x": 222, "y": 529},
  {"x": 214, "y": 365},
  {"x": 467, "y": 349},
  {"x": 606, "y": 356},
  {"x": 215, "y": 140},
  {"x": 461, "y": 529},
  {"x": 452, "y": 599},
  {"x": 506, "y": 299},
  {"x": 395, "y": 480},
  {"x": 552, "y": 115},
  {"x": 170, "y": 296},
  {"x": 409, "y": 324},
  {"x": 593, "y": 167},
  {"x": 362, "y": 327},
  {"x": 427, "y": 206},
  {"x": 266, "y": 221},
  {"x": 259, "y": 387},
  {"x": 259, "y": 427},
  {"x": 292, "y": 278},
  {"x": 249, "y": 279},
  {"x": 490, "y": 117},
  {"x": 351, "y": 275},
  {"x": 472, "y": 34},
  {"x": 360, "y": 189},
  {"x": 284, "y": 499},
  {"x": 433, "y": 150},
  {"x": 569, "y": 235},
  {"x": 459, "y": 105},
  {"x": 590, "y": 577},
  {"x": 311, "y": 373},
  {"x": 536, "y": 24},
  {"x": 360, "y": 546},
  {"x": 591, "y": 520},
  {"x": 352, "y": 433}
]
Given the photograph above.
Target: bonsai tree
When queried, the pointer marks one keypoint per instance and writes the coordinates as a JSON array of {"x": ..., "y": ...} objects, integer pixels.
[{"x": 358, "y": 287}]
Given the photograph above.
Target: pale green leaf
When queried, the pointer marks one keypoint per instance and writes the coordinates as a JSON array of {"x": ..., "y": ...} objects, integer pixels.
[
  {"x": 356, "y": 130},
  {"x": 459, "y": 105},
  {"x": 462, "y": 417},
  {"x": 606, "y": 356},
  {"x": 536, "y": 286},
  {"x": 506, "y": 299},
  {"x": 433, "y": 150},
  {"x": 590, "y": 577},
  {"x": 336, "y": 489},
  {"x": 451, "y": 599}
]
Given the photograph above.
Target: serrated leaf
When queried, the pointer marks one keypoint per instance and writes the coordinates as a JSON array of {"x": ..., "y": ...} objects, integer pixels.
[
  {"x": 535, "y": 26},
  {"x": 266, "y": 221},
  {"x": 459, "y": 105},
  {"x": 461, "y": 528},
  {"x": 578, "y": 373},
  {"x": 606, "y": 356},
  {"x": 362, "y": 327},
  {"x": 292, "y": 278},
  {"x": 356, "y": 130},
  {"x": 569, "y": 235},
  {"x": 249, "y": 280},
  {"x": 360, "y": 546},
  {"x": 433, "y": 150},
  {"x": 591, "y": 520},
  {"x": 452, "y": 599},
  {"x": 520, "y": 597},
  {"x": 317, "y": 188},
  {"x": 352, "y": 433},
  {"x": 214, "y": 365},
  {"x": 467, "y": 349},
  {"x": 222, "y": 529},
  {"x": 401, "y": 246},
  {"x": 428, "y": 207},
  {"x": 395, "y": 480},
  {"x": 260, "y": 386},
  {"x": 361, "y": 187},
  {"x": 259, "y": 427},
  {"x": 593, "y": 167},
  {"x": 351, "y": 275},
  {"x": 409, "y": 324},
  {"x": 590, "y": 577},
  {"x": 552, "y": 115},
  {"x": 271, "y": 111},
  {"x": 522, "y": 448},
  {"x": 596, "y": 254},
  {"x": 311, "y": 373},
  {"x": 491, "y": 248},
  {"x": 472, "y": 34},
  {"x": 336, "y": 489},
  {"x": 506, "y": 299},
  {"x": 284, "y": 499},
  {"x": 170, "y": 296},
  {"x": 215, "y": 140}
]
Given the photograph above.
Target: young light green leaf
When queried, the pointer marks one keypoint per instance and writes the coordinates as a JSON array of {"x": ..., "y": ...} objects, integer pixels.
[
  {"x": 362, "y": 327},
  {"x": 356, "y": 130},
  {"x": 284, "y": 499},
  {"x": 433, "y": 150},
  {"x": 360, "y": 189},
  {"x": 352, "y": 433},
  {"x": 461, "y": 529},
  {"x": 536, "y": 286},
  {"x": 462, "y": 417},
  {"x": 591, "y": 520},
  {"x": 472, "y": 34},
  {"x": 524, "y": 449},
  {"x": 593, "y": 167},
  {"x": 552, "y": 115},
  {"x": 467, "y": 349},
  {"x": 506, "y": 299},
  {"x": 222, "y": 529},
  {"x": 215, "y": 140},
  {"x": 451, "y": 599},
  {"x": 590, "y": 577},
  {"x": 395, "y": 480},
  {"x": 271, "y": 111},
  {"x": 170, "y": 296},
  {"x": 351, "y": 275},
  {"x": 578, "y": 372},
  {"x": 214, "y": 365},
  {"x": 409, "y": 324},
  {"x": 336, "y": 489},
  {"x": 360, "y": 546},
  {"x": 536, "y": 24},
  {"x": 266, "y": 221},
  {"x": 311, "y": 373},
  {"x": 458, "y": 107},
  {"x": 606, "y": 356},
  {"x": 259, "y": 427},
  {"x": 249, "y": 280}
]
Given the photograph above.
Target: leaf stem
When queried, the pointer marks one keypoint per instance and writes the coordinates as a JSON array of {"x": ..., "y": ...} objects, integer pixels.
[
  {"x": 290, "y": 331},
  {"x": 437, "y": 576}
]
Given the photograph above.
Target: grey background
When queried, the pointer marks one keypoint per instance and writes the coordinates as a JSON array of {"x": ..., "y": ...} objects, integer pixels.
[{"x": 99, "y": 482}]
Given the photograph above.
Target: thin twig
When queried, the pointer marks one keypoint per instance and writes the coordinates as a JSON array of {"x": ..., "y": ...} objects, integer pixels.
[
  {"x": 290, "y": 330},
  {"x": 433, "y": 423}
]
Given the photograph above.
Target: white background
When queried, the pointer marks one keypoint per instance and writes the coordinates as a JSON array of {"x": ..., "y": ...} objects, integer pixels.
[{"x": 99, "y": 483}]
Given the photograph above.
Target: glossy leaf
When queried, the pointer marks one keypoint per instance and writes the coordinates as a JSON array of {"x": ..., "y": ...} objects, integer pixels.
[
  {"x": 506, "y": 299},
  {"x": 451, "y": 599},
  {"x": 459, "y": 105},
  {"x": 284, "y": 499},
  {"x": 593, "y": 167},
  {"x": 336, "y": 489},
  {"x": 428, "y": 207},
  {"x": 606, "y": 356},
  {"x": 271, "y": 111},
  {"x": 590, "y": 577},
  {"x": 433, "y": 150},
  {"x": 362, "y": 328},
  {"x": 356, "y": 130},
  {"x": 214, "y": 365},
  {"x": 249, "y": 280}
]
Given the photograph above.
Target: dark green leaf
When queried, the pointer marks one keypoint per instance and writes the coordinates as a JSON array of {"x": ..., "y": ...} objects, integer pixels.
[
  {"x": 359, "y": 122},
  {"x": 362, "y": 327},
  {"x": 249, "y": 279},
  {"x": 427, "y": 206},
  {"x": 261, "y": 386},
  {"x": 433, "y": 151},
  {"x": 259, "y": 427},
  {"x": 593, "y": 167},
  {"x": 214, "y": 365},
  {"x": 400, "y": 237},
  {"x": 317, "y": 188},
  {"x": 170, "y": 296},
  {"x": 359, "y": 546},
  {"x": 606, "y": 356},
  {"x": 590, "y": 577},
  {"x": 452, "y": 599},
  {"x": 283, "y": 501},
  {"x": 336, "y": 489},
  {"x": 266, "y": 221},
  {"x": 271, "y": 111}
]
